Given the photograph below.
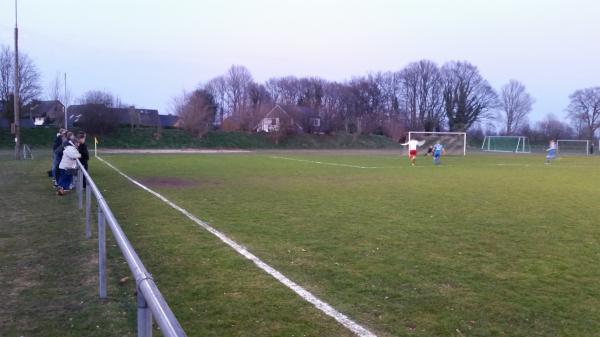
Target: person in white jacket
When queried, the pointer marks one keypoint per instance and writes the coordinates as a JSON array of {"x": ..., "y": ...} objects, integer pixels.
[{"x": 67, "y": 164}]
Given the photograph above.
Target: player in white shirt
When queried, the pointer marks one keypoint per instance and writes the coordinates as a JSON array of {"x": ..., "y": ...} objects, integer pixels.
[{"x": 412, "y": 149}]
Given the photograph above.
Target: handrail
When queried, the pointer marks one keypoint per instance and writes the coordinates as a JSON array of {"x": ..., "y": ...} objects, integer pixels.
[{"x": 148, "y": 294}]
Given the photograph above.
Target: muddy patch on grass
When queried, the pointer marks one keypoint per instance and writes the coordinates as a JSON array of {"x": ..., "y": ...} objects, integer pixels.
[{"x": 174, "y": 182}]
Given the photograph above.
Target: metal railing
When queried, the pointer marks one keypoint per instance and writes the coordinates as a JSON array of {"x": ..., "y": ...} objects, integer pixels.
[{"x": 150, "y": 302}]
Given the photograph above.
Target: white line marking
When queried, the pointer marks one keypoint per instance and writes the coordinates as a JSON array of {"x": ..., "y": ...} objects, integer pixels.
[
  {"x": 355, "y": 166},
  {"x": 326, "y": 163},
  {"x": 305, "y": 294}
]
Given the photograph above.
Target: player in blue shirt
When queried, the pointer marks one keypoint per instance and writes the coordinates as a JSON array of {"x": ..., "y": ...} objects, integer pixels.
[
  {"x": 551, "y": 152},
  {"x": 438, "y": 150}
]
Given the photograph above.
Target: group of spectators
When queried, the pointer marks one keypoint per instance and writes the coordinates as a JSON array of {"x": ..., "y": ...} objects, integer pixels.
[{"x": 67, "y": 148}]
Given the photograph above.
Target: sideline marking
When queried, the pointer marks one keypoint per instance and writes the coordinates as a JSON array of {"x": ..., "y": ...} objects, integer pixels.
[{"x": 348, "y": 323}]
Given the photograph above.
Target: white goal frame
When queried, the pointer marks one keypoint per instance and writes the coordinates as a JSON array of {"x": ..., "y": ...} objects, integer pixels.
[
  {"x": 587, "y": 144},
  {"x": 520, "y": 143},
  {"x": 464, "y": 134},
  {"x": 27, "y": 154}
]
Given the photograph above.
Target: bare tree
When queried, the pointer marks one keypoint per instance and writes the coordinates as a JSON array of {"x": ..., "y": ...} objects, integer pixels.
[
  {"x": 55, "y": 88},
  {"x": 468, "y": 97},
  {"x": 421, "y": 93},
  {"x": 238, "y": 82},
  {"x": 6, "y": 82},
  {"x": 197, "y": 112},
  {"x": 516, "y": 105},
  {"x": 56, "y": 92},
  {"x": 585, "y": 107},
  {"x": 284, "y": 90},
  {"x": 553, "y": 128},
  {"x": 98, "y": 97},
  {"x": 29, "y": 78},
  {"x": 217, "y": 87}
]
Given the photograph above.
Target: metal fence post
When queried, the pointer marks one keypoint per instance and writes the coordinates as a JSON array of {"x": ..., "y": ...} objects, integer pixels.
[
  {"x": 101, "y": 252},
  {"x": 88, "y": 213},
  {"x": 80, "y": 188},
  {"x": 144, "y": 316}
]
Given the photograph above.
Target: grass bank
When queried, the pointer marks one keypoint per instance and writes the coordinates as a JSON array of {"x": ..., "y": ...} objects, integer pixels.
[{"x": 126, "y": 138}]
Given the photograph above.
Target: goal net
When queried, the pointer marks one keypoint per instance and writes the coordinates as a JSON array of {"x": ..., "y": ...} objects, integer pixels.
[
  {"x": 455, "y": 143},
  {"x": 516, "y": 144},
  {"x": 572, "y": 146}
]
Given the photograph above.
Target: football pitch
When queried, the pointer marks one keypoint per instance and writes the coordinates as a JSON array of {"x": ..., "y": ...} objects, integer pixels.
[{"x": 482, "y": 245}]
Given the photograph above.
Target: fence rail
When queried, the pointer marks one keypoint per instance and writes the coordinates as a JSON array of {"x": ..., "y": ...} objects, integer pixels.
[{"x": 150, "y": 302}]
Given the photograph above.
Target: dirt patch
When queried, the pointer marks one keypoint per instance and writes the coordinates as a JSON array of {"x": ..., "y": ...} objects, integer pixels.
[{"x": 174, "y": 182}]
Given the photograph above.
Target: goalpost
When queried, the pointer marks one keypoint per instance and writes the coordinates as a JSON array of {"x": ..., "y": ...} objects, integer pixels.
[
  {"x": 27, "y": 154},
  {"x": 453, "y": 142},
  {"x": 515, "y": 144},
  {"x": 573, "y": 146}
]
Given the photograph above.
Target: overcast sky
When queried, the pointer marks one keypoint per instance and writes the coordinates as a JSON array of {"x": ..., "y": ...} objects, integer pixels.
[{"x": 148, "y": 51}]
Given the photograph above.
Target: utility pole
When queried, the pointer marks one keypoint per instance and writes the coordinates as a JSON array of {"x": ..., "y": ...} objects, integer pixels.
[
  {"x": 16, "y": 92},
  {"x": 66, "y": 103}
]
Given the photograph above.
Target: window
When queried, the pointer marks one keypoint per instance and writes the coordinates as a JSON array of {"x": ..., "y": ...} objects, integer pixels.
[
  {"x": 274, "y": 121},
  {"x": 316, "y": 122}
]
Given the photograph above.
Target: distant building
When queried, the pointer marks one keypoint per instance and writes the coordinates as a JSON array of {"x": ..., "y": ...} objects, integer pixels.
[
  {"x": 277, "y": 118},
  {"x": 169, "y": 121},
  {"x": 132, "y": 116},
  {"x": 36, "y": 113},
  {"x": 44, "y": 112}
]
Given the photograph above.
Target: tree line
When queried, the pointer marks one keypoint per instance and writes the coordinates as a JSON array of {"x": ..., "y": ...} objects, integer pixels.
[
  {"x": 420, "y": 97},
  {"x": 423, "y": 96}
]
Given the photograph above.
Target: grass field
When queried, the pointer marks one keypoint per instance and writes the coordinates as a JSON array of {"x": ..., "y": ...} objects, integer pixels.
[
  {"x": 483, "y": 245},
  {"x": 48, "y": 270}
]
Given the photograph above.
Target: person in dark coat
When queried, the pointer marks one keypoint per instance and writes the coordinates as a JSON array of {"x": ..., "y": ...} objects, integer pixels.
[{"x": 83, "y": 150}]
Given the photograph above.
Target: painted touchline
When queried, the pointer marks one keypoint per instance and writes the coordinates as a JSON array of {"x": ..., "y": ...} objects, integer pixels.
[{"x": 348, "y": 323}]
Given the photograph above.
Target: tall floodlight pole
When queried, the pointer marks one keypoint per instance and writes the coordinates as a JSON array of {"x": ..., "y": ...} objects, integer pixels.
[
  {"x": 16, "y": 92},
  {"x": 66, "y": 103}
]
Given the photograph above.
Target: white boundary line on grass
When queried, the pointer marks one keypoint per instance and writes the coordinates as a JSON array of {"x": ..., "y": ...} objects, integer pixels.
[
  {"x": 326, "y": 163},
  {"x": 348, "y": 323}
]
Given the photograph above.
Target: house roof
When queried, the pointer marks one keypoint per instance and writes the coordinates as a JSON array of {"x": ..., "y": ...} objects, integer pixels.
[
  {"x": 168, "y": 121},
  {"x": 74, "y": 112},
  {"x": 42, "y": 108},
  {"x": 278, "y": 109},
  {"x": 143, "y": 117}
]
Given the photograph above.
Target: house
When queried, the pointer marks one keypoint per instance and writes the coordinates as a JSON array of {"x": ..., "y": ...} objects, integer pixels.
[
  {"x": 169, "y": 121},
  {"x": 75, "y": 112},
  {"x": 310, "y": 120},
  {"x": 276, "y": 119},
  {"x": 137, "y": 117},
  {"x": 44, "y": 112},
  {"x": 126, "y": 116}
]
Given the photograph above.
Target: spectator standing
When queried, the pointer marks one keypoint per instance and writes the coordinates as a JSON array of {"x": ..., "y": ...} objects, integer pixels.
[
  {"x": 58, "y": 152},
  {"x": 83, "y": 150},
  {"x": 57, "y": 142},
  {"x": 68, "y": 164}
]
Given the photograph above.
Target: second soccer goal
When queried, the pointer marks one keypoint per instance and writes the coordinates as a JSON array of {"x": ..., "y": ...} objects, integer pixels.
[{"x": 516, "y": 144}]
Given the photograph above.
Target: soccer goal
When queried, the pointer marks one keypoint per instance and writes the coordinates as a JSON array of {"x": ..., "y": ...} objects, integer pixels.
[
  {"x": 516, "y": 144},
  {"x": 27, "y": 154},
  {"x": 573, "y": 146},
  {"x": 455, "y": 143}
]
